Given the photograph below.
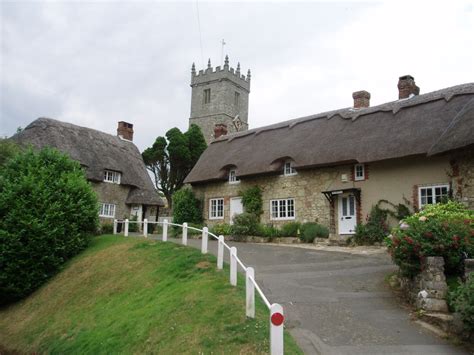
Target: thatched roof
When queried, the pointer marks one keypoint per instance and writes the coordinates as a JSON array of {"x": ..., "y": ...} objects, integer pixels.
[
  {"x": 422, "y": 125},
  {"x": 96, "y": 151}
]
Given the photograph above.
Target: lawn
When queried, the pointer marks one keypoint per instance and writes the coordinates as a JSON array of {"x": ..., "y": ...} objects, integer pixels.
[{"x": 128, "y": 295}]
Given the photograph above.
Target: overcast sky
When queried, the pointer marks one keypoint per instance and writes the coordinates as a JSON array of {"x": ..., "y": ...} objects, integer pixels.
[{"x": 97, "y": 63}]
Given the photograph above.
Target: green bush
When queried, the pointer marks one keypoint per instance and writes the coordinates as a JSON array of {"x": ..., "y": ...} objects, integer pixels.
[
  {"x": 374, "y": 230},
  {"x": 445, "y": 230},
  {"x": 268, "y": 231},
  {"x": 8, "y": 149},
  {"x": 221, "y": 229},
  {"x": 463, "y": 302},
  {"x": 252, "y": 200},
  {"x": 245, "y": 224},
  {"x": 291, "y": 229},
  {"x": 310, "y": 231},
  {"x": 106, "y": 228},
  {"x": 48, "y": 211},
  {"x": 186, "y": 207},
  {"x": 133, "y": 227}
]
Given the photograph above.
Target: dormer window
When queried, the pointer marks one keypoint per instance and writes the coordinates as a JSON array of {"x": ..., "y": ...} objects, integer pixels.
[
  {"x": 288, "y": 169},
  {"x": 112, "y": 176},
  {"x": 359, "y": 172},
  {"x": 233, "y": 177}
]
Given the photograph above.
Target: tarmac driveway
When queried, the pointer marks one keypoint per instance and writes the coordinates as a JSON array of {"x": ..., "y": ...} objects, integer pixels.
[{"x": 337, "y": 303}]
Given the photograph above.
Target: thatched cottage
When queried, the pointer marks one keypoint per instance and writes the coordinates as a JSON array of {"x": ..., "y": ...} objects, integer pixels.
[
  {"x": 334, "y": 166},
  {"x": 113, "y": 165}
]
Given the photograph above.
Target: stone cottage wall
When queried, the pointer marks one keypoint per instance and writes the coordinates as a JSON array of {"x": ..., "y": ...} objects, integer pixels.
[
  {"x": 305, "y": 188},
  {"x": 113, "y": 193},
  {"x": 462, "y": 177}
]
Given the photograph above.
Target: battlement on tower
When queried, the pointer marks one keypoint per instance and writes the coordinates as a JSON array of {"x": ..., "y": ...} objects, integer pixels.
[{"x": 220, "y": 73}]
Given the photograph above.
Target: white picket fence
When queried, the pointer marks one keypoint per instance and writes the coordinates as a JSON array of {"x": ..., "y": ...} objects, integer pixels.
[{"x": 276, "y": 310}]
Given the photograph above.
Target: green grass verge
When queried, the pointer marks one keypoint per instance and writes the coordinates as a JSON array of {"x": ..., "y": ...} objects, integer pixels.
[{"x": 125, "y": 295}]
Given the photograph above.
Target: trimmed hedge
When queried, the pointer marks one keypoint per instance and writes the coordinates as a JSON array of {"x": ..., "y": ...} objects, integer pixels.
[
  {"x": 48, "y": 211},
  {"x": 311, "y": 230}
]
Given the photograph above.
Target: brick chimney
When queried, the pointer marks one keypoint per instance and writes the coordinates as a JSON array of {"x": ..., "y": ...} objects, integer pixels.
[
  {"x": 361, "y": 99},
  {"x": 407, "y": 87},
  {"x": 220, "y": 129},
  {"x": 125, "y": 130}
]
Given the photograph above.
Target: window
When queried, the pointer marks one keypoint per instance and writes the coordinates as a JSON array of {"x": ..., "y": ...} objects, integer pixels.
[
  {"x": 433, "y": 194},
  {"x": 236, "y": 99},
  {"x": 282, "y": 209},
  {"x": 112, "y": 176},
  {"x": 289, "y": 169},
  {"x": 359, "y": 172},
  {"x": 216, "y": 208},
  {"x": 207, "y": 96},
  {"x": 233, "y": 178},
  {"x": 107, "y": 210}
]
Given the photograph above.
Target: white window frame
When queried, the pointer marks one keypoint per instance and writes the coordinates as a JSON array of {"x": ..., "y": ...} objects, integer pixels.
[
  {"x": 113, "y": 177},
  {"x": 283, "y": 203},
  {"x": 358, "y": 177},
  {"x": 433, "y": 193},
  {"x": 214, "y": 209},
  {"x": 107, "y": 210},
  {"x": 288, "y": 169},
  {"x": 233, "y": 177}
]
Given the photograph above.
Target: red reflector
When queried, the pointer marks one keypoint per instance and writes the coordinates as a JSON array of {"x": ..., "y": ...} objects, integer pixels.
[{"x": 277, "y": 319}]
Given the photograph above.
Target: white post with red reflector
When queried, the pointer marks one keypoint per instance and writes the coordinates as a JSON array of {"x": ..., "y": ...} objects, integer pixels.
[{"x": 276, "y": 329}]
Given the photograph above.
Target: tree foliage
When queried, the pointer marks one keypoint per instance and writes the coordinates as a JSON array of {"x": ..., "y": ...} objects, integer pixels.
[
  {"x": 171, "y": 158},
  {"x": 7, "y": 150},
  {"x": 252, "y": 200},
  {"x": 187, "y": 208},
  {"x": 48, "y": 210}
]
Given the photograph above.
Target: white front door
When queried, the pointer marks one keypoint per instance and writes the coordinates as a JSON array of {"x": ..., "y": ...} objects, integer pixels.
[
  {"x": 347, "y": 214},
  {"x": 236, "y": 207}
]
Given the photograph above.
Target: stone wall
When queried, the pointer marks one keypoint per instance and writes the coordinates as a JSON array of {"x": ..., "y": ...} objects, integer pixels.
[
  {"x": 305, "y": 188},
  {"x": 428, "y": 289},
  {"x": 113, "y": 193},
  {"x": 462, "y": 175}
]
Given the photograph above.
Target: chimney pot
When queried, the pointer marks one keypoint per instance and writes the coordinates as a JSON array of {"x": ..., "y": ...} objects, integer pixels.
[
  {"x": 407, "y": 87},
  {"x": 361, "y": 99},
  {"x": 220, "y": 129},
  {"x": 125, "y": 130}
]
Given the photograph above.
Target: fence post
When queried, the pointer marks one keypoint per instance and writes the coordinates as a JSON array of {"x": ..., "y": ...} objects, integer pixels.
[
  {"x": 220, "y": 252},
  {"x": 125, "y": 233},
  {"x": 250, "y": 292},
  {"x": 145, "y": 228},
  {"x": 115, "y": 226},
  {"x": 185, "y": 234},
  {"x": 204, "y": 240},
  {"x": 233, "y": 266},
  {"x": 165, "y": 230},
  {"x": 276, "y": 329}
]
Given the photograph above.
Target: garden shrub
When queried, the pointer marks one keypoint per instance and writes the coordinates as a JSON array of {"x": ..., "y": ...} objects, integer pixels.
[
  {"x": 133, "y": 227},
  {"x": 252, "y": 200},
  {"x": 186, "y": 207},
  {"x": 268, "y": 231},
  {"x": 221, "y": 229},
  {"x": 106, "y": 228},
  {"x": 291, "y": 229},
  {"x": 245, "y": 224},
  {"x": 463, "y": 302},
  {"x": 445, "y": 230},
  {"x": 48, "y": 211},
  {"x": 311, "y": 230},
  {"x": 374, "y": 230}
]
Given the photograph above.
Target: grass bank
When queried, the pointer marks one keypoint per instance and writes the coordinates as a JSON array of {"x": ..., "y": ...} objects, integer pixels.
[{"x": 137, "y": 296}]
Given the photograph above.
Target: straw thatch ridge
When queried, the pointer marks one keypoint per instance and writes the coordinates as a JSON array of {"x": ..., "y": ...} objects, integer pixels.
[
  {"x": 96, "y": 151},
  {"x": 427, "y": 124}
]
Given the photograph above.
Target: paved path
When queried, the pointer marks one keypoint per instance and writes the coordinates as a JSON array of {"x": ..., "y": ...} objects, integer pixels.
[{"x": 337, "y": 303}]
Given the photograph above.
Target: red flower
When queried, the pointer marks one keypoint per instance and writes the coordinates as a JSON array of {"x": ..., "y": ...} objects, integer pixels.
[{"x": 409, "y": 240}]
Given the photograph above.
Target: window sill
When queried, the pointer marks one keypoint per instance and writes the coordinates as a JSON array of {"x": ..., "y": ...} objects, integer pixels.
[
  {"x": 283, "y": 219},
  {"x": 111, "y": 182},
  {"x": 215, "y": 218},
  {"x": 234, "y": 182},
  {"x": 102, "y": 216}
]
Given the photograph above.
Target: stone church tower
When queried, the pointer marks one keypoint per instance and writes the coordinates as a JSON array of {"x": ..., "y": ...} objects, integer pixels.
[{"x": 219, "y": 100}]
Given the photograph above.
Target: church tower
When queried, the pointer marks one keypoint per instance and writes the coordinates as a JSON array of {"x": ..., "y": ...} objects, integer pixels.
[{"x": 219, "y": 100}]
